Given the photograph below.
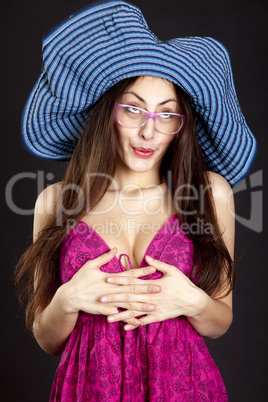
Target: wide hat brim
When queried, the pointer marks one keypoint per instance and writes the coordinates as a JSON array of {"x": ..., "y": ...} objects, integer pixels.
[{"x": 109, "y": 41}]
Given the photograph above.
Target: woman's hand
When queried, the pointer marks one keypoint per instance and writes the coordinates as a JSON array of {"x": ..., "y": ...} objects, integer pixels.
[
  {"x": 55, "y": 323},
  {"x": 176, "y": 296},
  {"x": 83, "y": 292}
]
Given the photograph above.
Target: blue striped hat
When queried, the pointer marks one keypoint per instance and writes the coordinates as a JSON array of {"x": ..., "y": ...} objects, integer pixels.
[{"x": 110, "y": 40}]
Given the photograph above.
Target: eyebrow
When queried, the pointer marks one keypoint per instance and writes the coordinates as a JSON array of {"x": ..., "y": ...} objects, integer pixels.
[{"x": 142, "y": 100}]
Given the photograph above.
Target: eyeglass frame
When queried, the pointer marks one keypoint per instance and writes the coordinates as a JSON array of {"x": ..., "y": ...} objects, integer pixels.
[{"x": 149, "y": 115}]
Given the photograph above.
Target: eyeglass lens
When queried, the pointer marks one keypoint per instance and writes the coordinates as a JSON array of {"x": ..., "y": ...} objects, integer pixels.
[{"x": 134, "y": 118}]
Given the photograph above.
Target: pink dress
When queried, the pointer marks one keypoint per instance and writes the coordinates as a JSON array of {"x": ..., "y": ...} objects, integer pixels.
[{"x": 161, "y": 362}]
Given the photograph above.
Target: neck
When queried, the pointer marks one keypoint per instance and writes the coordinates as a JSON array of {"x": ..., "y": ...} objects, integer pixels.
[{"x": 126, "y": 178}]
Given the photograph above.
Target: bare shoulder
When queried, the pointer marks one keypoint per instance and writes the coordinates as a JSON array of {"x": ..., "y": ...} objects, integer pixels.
[
  {"x": 47, "y": 199},
  {"x": 45, "y": 206},
  {"x": 224, "y": 208},
  {"x": 221, "y": 189}
]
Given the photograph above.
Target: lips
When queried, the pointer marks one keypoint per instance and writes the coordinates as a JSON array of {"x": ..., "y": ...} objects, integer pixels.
[{"x": 143, "y": 152}]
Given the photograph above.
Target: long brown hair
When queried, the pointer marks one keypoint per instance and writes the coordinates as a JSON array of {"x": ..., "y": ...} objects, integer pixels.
[{"x": 182, "y": 164}]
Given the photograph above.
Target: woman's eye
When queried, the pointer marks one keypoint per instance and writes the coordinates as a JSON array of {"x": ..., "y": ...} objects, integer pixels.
[
  {"x": 133, "y": 110},
  {"x": 165, "y": 116}
]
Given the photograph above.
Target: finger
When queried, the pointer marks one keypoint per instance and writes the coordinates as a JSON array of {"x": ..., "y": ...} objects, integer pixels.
[
  {"x": 101, "y": 309},
  {"x": 128, "y": 327},
  {"x": 133, "y": 285},
  {"x": 131, "y": 293},
  {"x": 135, "y": 310},
  {"x": 128, "y": 316},
  {"x": 159, "y": 265},
  {"x": 127, "y": 300},
  {"x": 127, "y": 280},
  {"x": 131, "y": 324},
  {"x": 135, "y": 272},
  {"x": 148, "y": 319},
  {"x": 102, "y": 259},
  {"x": 109, "y": 311}
]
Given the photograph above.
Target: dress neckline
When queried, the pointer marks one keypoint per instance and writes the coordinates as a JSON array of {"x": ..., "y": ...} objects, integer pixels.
[{"x": 149, "y": 245}]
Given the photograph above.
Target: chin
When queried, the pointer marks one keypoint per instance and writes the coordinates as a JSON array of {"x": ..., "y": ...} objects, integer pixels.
[{"x": 141, "y": 165}]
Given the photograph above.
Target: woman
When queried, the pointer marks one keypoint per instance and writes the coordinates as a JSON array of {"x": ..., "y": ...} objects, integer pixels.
[{"x": 132, "y": 261}]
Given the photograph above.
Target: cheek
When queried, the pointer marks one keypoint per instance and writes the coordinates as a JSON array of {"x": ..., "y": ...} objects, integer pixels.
[
  {"x": 120, "y": 133},
  {"x": 167, "y": 142},
  {"x": 122, "y": 140}
]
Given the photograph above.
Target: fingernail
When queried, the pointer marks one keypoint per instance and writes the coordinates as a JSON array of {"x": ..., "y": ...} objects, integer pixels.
[
  {"x": 156, "y": 288},
  {"x": 149, "y": 258},
  {"x": 111, "y": 319},
  {"x": 112, "y": 251},
  {"x": 104, "y": 299},
  {"x": 110, "y": 280},
  {"x": 151, "y": 307}
]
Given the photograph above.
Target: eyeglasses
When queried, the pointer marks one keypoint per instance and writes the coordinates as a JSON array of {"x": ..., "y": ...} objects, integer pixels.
[{"x": 134, "y": 117}]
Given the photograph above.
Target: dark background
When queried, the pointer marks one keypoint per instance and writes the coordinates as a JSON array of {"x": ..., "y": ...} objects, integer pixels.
[{"x": 241, "y": 25}]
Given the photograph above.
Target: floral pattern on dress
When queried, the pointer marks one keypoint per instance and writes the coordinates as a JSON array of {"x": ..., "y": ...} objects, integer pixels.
[{"x": 166, "y": 361}]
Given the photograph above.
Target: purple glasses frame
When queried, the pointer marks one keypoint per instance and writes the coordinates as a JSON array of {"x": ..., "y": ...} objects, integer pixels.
[{"x": 149, "y": 116}]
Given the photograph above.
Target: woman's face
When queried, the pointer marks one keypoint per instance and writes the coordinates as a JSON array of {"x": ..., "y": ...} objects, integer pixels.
[{"x": 142, "y": 149}]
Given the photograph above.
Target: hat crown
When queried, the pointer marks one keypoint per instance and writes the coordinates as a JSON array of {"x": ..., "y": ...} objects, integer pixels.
[
  {"x": 110, "y": 41},
  {"x": 83, "y": 40}
]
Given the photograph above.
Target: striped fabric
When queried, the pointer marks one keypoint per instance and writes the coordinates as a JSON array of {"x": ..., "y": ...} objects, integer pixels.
[{"x": 109, "y": 41}]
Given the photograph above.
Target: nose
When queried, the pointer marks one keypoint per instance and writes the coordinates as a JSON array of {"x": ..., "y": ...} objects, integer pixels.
[{"x": 147, "y": 131}]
